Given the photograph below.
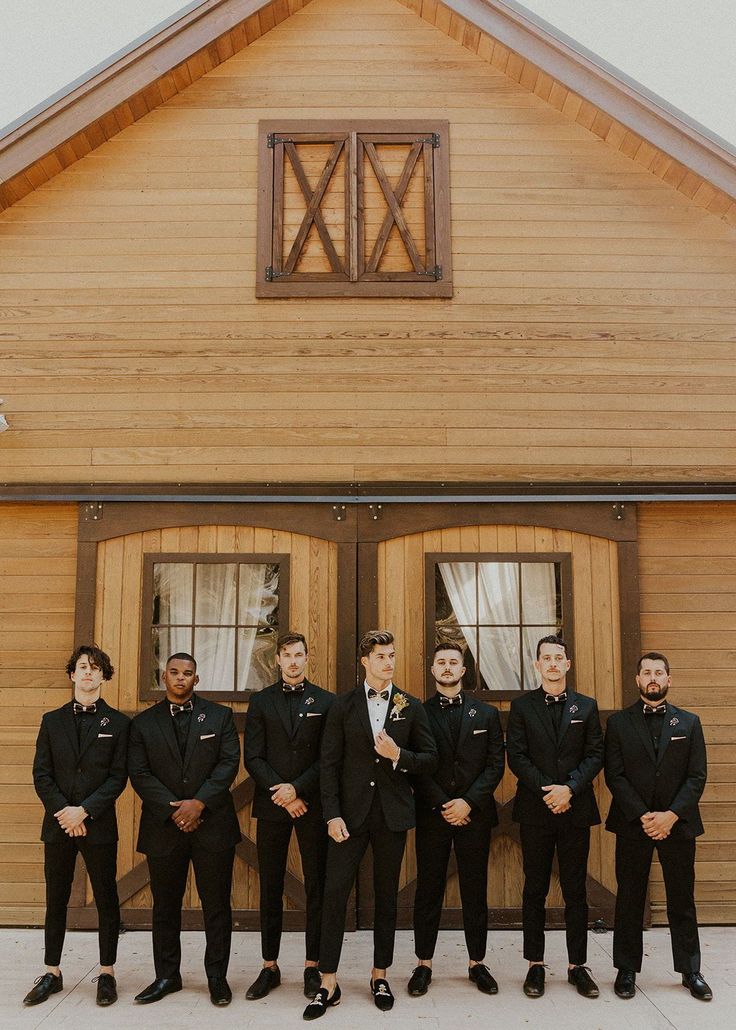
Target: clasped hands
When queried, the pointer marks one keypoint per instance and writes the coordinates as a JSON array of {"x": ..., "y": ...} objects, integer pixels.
[
  {"x": 71, "y": 820},
  {"x": 657, "y": 825},
  {"x": 187, "y": 814},
  {"x": 284, "y": 795},
  {"x": 557, "y": 798}
]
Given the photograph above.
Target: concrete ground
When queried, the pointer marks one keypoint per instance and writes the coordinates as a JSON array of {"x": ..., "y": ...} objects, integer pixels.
[{"x": 452, "y": 1002}]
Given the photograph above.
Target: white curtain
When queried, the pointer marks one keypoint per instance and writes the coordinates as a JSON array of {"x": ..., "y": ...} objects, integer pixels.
[
  {"x": 493, "y": 604},
  {"x": 214, "y": 643}
]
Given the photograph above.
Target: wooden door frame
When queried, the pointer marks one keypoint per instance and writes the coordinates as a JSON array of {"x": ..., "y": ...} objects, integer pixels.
[
  {"x": 378, "y": 523},
  {"x": 100, "y": 521}
]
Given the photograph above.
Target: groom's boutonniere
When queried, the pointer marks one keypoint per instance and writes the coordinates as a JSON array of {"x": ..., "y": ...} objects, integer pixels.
[{"x": 401, "y": 701}]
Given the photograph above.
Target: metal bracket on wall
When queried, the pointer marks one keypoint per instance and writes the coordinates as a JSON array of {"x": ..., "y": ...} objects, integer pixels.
[
  {"x": 619, "y": 512},
  {"x": 376, "y": 511},
  {"x": 339, "y": 512},
  {"x": 93, "y": 512}
]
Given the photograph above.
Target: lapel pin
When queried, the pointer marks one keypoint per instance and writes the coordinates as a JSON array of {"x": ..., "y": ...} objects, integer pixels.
[
  {"x": 674, "y": 722},
  {"x": 104, "y": 722},
  {"x": 309, "y": 701},
  {"x": 200, "y": 717},
  {"x": 573, "y": 709},
  {"x": 471, "y": 713}
]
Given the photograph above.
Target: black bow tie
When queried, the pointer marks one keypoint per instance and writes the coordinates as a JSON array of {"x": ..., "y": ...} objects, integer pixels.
[
  {"x": 297, "y": 689},
  {"x": 383, "y": 694},
  {"x": 186, "y": 707},
  {"x": 658, "y": 710},
  {"x": 446, "y": 702},
  {"x": 82, "y": 710},
  {"x": 555, "y": 699}
]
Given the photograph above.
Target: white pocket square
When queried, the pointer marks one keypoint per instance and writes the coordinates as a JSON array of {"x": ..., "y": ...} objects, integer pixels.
[
  {"x": 311, "y": 715},
  {"x": 479, "y": 731},
  {"x": 678, "y": 738},
  {"x": 574, "y": 721},
  {"x": 206, "y": 736},
  {"x": 103, "y": 735}
]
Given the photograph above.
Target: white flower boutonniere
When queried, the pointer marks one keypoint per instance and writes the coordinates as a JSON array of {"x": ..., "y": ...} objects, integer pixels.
[
  {"x": 309, "y": 701},
  {"x": 573, "y": 709},
  {"x": 201, "y": 717},
  {"x": 674, "y": 722},
  {"x": 472, "y": 712},
  {"x": 104, "y": 722},
  {"x": 401, "y": 701}
]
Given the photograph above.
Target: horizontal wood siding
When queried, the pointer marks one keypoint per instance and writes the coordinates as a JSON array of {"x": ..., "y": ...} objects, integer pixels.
[
  {"x": 591, "y": 334},
  {"x": 38, "y": 548},
  {"x": 688, "y": 608}
]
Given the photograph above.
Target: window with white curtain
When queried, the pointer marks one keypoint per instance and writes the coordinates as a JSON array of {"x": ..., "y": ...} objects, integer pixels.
[
  {"x": 497, "y": 608},
  {"x": 225, "y": 610}
]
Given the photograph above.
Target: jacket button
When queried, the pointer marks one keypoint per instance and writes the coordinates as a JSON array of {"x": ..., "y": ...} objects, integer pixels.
[
  {"x": 79, "y": 769},
  {"x": 371, "y": 784},
  {"x": 377, "y": 760},
  {"x": 452, "y": 783},
  {"x": 301, "y": 715}
]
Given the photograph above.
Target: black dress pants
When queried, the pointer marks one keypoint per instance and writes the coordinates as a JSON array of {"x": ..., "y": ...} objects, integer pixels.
[
  {"x": 633, "y": 862},
  {"x": 538, "y": 845},
  {"x": 342, "y": 867},
  {"x": 435, "y": 838},
  {"x": 272, "y": 841},
  {"x": 213, "y": 872},
  {"x": 101, "y": 862}
]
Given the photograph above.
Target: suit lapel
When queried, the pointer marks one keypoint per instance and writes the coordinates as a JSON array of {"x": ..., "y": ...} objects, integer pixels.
[
  {"x": 361, "y": 706},
  {"x": 304, "y": 705},
  {"x": 166, "y": 726},
  {"x": 196, "y": 723},
  {"x": 666, "y": 735},
  {"x": 281, "y": 705},
  {"x": 92, "y": 731},
  {"x": 439, "y": 722},
  {"x": 540, "y": 710},
  {"x": 466, "y": 723},
  {"x": 67, "y": 718},
  {"x": 637, "y": 717},
  {"x": 566, "y": 718}
]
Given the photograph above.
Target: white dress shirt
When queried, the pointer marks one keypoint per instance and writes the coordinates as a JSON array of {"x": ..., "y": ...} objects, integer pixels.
[{"x": 377, "y": 708}]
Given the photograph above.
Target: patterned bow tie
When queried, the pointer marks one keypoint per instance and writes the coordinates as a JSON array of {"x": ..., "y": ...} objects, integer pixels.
[
  {"x": 82, "y": 709},
  {"x": 447, "y": 702},
  {"x": 296, "y": 689},
  {"x": 186, "y": 707},
  {"x": 659, "y": 710},
  {"x": 383, "y": 694},
  {"x": 555, "y": 699}
]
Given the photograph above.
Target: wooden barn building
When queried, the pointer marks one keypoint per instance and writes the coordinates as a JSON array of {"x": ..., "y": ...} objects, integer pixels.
[{"x": 328, "y": 314}]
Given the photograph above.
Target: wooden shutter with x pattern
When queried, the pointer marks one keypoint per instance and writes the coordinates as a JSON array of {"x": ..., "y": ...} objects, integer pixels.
[{"x": 358, "y": 209}]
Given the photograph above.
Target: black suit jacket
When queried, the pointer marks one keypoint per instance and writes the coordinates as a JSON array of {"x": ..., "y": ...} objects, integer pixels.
[
  {"x": 93, "y": 776},
  {"x": 537, "y": 758},
  {"x": 276, "y": 754},
  {"x": 640, "y": 780},
  {"x": 160, "y": 775},
  {"x": 471, "y": 771},
  {"x": 351, "y": 773}
]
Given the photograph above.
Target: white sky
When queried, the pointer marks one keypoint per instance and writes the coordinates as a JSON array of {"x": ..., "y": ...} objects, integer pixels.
[{"x": 683, "y": 50}]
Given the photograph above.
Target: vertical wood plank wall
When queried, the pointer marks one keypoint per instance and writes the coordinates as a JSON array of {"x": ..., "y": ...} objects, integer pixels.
[
  {"x": 38, "y": 554},
  {"x": 401, "y": 606},
  {"x": 688, "y": 611},
  {"x": 313, "y": 611},
  {"x": 134, "y": 348}
]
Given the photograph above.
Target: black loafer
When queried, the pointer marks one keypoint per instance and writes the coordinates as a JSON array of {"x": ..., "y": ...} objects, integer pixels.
[
  {"x": 159, "y": 989},
  {"x": 220, "y": 993},
  {"x": 312, "y": 981},
  {"x": 268, "y": 978},
  {"x": 383, "y": 999},
  {"x": 321, "y": 1003},
  {"x": 481, "y": 977},
  {"x": 625, "y": 983},
  {"x": 583, "y": 981},
  {"x": 697, "y": 986},
  {"x": 107, "y": 989},
  {"x": 43, "y": 988},
  {"x": 419, "y": 981},
  {"x": 534, "y": 983}
]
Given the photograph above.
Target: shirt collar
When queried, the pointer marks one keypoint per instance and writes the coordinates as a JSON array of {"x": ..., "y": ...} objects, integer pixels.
[{"x": 366, "y": 688}]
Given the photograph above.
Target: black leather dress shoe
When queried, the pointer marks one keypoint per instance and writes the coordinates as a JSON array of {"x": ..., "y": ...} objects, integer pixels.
[
  {"x": 625, "y": 983},
  {"x": 220, "y": 993},
  {"x": 312, "y": 981},
  {"x": 322, "y": 1002},
  {"x": 383, "y": 999},
  {"x": 159, "y": 989},
  {"x": 107, "y": 989},
  {"x": 419, "y": 981},
  {"x": 481, "y": 977},
  {"x": 697, "y": 986},
  {"x": 583, "y": 981},
  {"x": 534, "y": 983},
  {"x": 43, "y": 988},
  {"x": 268, "y": 978}
]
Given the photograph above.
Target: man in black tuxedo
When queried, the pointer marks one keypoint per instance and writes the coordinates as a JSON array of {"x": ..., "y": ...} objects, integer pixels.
[
  {"x": 283, "y": 734},
  {"x": 184, "y": 753},
  {"x": 655, "y": 769},
  {"x": 555, "y": 749},
  {"x": 376, "y": 737},
  {"x": 79, "y": 771},
  {"x": 455, "y": 807}
]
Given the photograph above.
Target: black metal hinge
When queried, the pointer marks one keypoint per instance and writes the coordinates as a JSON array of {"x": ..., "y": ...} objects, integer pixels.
[{"x": 433, "y": 138}]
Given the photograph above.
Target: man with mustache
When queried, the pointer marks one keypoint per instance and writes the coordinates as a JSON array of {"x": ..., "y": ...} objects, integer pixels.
[{"x": 655, "y": 768}]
